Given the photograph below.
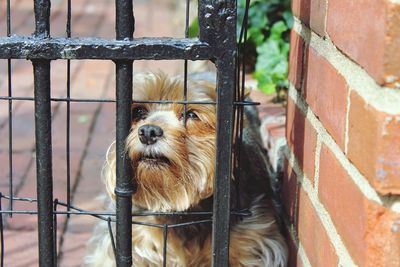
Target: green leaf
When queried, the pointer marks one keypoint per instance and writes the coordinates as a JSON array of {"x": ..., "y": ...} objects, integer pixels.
[
  {"x": 287, "y": 15},
  {"x": 277, "y": 29},
  {"x": 255, "y": 36},
  {"x": 194, "y": 28}
]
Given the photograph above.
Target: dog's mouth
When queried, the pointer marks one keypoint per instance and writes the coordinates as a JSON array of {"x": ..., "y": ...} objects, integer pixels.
[{"x": 154, "y": 160}]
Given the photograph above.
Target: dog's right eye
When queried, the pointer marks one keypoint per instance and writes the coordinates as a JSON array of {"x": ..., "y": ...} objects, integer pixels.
[{"x": 139, "y": 113}]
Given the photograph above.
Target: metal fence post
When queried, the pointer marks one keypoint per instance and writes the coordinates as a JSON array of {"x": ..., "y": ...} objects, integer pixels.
[
  {"x": 41, "y": 69},
  {"x": 221, "y": 17},
  {"x": 124, "y": 183}
]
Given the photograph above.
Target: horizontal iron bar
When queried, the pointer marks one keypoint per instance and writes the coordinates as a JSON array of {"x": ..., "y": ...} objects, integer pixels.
[
  {"x": 105, "y": 100},
  {"x": 78, "y": 211},
  {"x": 104, "y": 218},
  {"x": 23, "y": 47},
  {"x": 105, "y": 213}
]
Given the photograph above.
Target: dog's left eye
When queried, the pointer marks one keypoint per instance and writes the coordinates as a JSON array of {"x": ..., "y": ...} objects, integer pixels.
[
  {"x": 190, "y": 115},
  {"x": 139, "y": 113}
]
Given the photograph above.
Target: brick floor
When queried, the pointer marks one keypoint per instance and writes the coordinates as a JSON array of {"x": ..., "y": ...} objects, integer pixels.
[
  {"x": 273, "y": 118},
  {"x": 92, "y": 124}
]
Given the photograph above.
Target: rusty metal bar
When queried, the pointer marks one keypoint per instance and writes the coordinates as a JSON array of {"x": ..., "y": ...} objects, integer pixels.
[
  {"x": 124, "y": 184},
  {"x": 23, "y": 47},
  {"x": 44, "y": 172}
]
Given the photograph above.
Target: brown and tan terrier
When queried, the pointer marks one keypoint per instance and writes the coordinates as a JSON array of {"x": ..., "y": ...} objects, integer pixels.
[{"x": 173, "y": 160}]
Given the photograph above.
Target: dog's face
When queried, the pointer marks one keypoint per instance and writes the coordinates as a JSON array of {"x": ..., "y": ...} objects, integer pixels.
[{"x": 173, "y": 161}]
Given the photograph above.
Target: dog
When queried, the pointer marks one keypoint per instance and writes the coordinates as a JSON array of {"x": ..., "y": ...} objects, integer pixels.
[{"x": 173, "y": 158}]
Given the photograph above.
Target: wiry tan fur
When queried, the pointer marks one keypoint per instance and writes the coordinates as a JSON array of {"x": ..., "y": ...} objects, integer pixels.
[{"x": 182, "y": 184}]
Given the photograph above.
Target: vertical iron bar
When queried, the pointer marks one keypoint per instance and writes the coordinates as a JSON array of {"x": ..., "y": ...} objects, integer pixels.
[
  {"x": 185, "y": 78},
  {"x": 8, "y": 18},
  {"x": 42, "y": 18},
  {"x": 124, "y": 184},
  {"x": 187, "y": 19},
  {"x": 125, "y": 21},
  {"x": 44, "y": 175},
  {"x": 68, "y": 28},
  {"x": 241, "y": 86},
  {"x": 41, "y": 69},
  {"x": 10, "y": 127},
  {"x": 240, "y": 97},
  {"x": 110, "y": 232},
  {"x": 55, "y": 230},
  {"x": 68, "y": 146},
  {"x": 226, "y": 84},
  {"x": 185, "y": 66},
  {"x": 243, "y": 34},
  {"x": 1, "y": 233},
  {"x": 10, "y": 139},
  {"x": 221, "y": 206}
]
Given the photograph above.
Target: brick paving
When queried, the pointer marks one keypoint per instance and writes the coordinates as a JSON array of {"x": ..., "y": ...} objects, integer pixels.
[{"x": 92, "y": 124}]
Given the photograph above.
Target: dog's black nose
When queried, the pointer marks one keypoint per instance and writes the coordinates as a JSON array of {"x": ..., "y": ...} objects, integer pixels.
[{"x": 149, "y": 134}]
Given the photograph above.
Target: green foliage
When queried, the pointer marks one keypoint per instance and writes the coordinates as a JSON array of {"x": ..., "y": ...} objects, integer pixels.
[
  {"x": 272, "y": 60},
  {"x": 269, "y": 25}
]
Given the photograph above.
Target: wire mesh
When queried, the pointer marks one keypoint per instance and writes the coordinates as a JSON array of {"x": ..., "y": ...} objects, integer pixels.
[{"x": 42, "y": 48}]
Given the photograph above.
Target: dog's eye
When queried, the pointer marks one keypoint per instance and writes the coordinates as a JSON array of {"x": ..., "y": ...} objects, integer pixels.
[
  {"x": 190, "y": 115},
  {"x": 139, "y": 113}
]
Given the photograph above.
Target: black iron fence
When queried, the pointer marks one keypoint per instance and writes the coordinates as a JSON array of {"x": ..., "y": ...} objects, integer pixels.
[{"x": 217, "y": 42}]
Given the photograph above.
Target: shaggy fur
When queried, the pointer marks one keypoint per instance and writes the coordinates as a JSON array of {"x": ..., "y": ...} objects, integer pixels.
[{"x": 176, "y": 173}]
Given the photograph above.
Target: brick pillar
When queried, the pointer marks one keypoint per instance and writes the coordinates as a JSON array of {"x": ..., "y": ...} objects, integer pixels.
[{"x": 342, "y": 178}]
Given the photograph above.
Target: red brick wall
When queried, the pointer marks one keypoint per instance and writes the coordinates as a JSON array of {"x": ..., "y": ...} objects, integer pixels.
[{"x": 342, "y": 183}]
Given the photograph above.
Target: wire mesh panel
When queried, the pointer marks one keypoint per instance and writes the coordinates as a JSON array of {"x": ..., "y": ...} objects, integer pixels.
[{"x": 217, "y": 42}]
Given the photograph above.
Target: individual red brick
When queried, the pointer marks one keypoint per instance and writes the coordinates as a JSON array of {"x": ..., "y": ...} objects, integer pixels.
[
  {"x": 392, "y": 56},
  {"x": 20, "y": 247},
  {"x": 374, "y": 145},
  {"x": 372, "y": 44},
  {"x": 302, "y": 10},
  {"x": 267, "y": 107},
  {"x": 363, "y": 225},
  {"x": 275, "y": 129},
  {"x": 75, "y": 248},
  {"x": 20, "y": 163},
  {"x": 318, "y": 16},
  {"x": 296, "y": 59},
  {"x": 344, "y": 202},
  {"x": 22, "y": 127},
  {"x": 313, "y": 235},
  {"x": 326, "y": 91},
  {"x": 302, "y": 138},
  {"x": 312, "y": 13},
  {"x": 383, "y": 237}
]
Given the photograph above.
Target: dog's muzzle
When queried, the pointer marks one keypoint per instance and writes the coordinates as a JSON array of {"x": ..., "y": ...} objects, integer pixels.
[{"x": 149, "y": 134}]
